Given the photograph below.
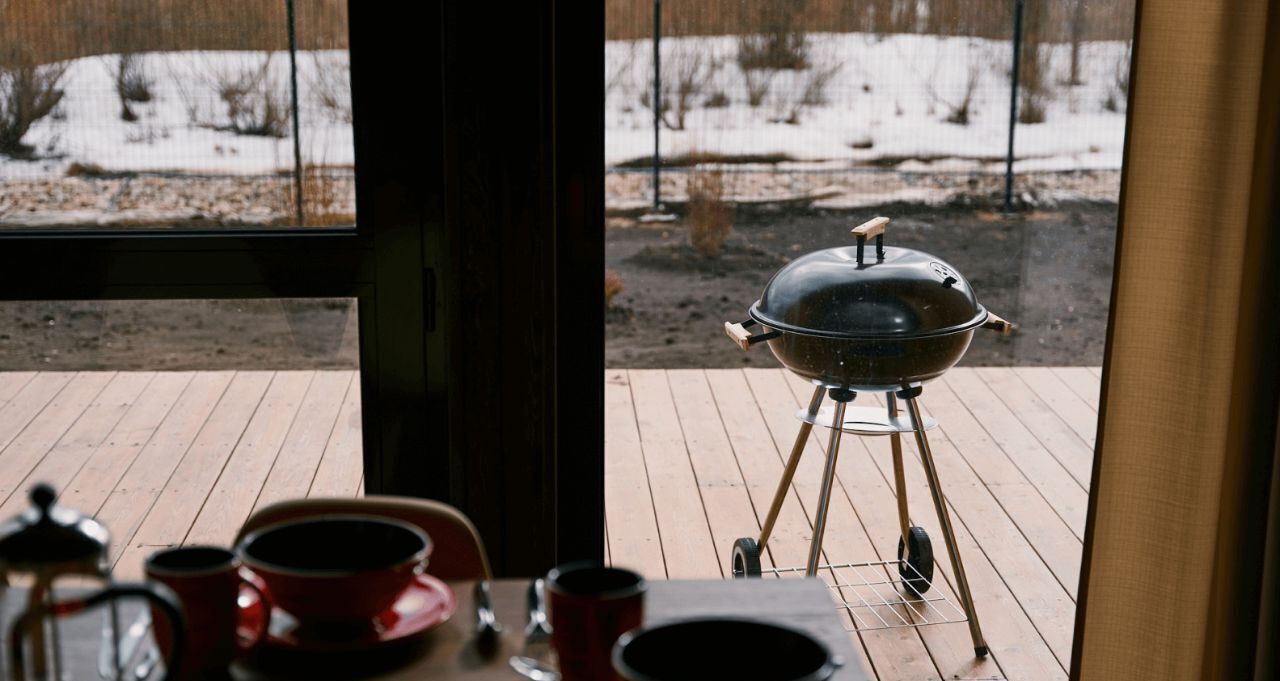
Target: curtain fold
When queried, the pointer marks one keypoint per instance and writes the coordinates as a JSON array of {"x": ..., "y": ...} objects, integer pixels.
[{"x": 1173, "y": 584}]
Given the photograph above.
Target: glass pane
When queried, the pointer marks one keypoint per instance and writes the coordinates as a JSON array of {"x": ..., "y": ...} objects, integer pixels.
[
  {"x": 171, "y": 421},
  {"x": 175, "y": 115}
]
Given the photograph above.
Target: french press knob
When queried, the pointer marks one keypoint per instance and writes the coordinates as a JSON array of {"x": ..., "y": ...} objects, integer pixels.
[{"x": 47, "y": 542}]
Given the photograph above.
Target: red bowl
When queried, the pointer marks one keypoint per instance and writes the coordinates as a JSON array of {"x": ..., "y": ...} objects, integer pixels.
[{"x": 340, "y": 568}]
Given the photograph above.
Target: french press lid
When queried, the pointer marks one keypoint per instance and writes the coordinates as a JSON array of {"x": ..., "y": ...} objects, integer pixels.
[{"x": 48, "y": 536}]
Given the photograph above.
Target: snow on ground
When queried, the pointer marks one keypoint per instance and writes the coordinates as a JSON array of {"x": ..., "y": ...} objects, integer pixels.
[
  {"x": 885, "y": 103},
  {"x": 177, "y": 130}
]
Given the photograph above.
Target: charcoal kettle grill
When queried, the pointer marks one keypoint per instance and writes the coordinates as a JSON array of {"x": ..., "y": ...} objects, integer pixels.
[{"x": 853, "y": 320}]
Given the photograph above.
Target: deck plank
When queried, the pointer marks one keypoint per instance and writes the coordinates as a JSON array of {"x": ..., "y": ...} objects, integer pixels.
[
  {"x": 65, "y": 458},
  {"x": 729, "y": 510},
  {"x": 1082, "y": 418},
  {"x": 762, "y": 465},
  {"x": 686, "y": 536},
  {"x": 1041, "y": 526},
  {"x": 165, "y": 516},
  {"x": 895, "y": 653},
  {"x": 130, "y": 498},
  {"x": 29, "y": 402},
  {"x": 1083, "y": 382},
  {"x": 240, "y": 479},
  {"x": 1054, "y": 434},
  {"x": 343, "y": 461},
  {"x": 1068, "y": 496},
  {"x": 632, "y": 524},
  {"x": 295, "y": 467},
  {"x": 93, "y": 483},
  {"x": 28, "y": 448},
  {"x": 11, "y": 382}
]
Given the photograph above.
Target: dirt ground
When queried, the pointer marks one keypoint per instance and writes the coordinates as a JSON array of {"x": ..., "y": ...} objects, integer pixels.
[
  {"x": 1049, "y": 271},
  {"x": 178, "y": 335}
]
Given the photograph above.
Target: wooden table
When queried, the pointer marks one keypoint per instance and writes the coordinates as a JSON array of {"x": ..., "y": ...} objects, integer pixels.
[{"x": 448, "y": 651}]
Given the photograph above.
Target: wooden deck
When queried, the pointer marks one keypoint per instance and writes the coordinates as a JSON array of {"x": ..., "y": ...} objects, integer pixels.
[
  {"x": 692, "y": 458},
  {"x": 166, "y": 458}
]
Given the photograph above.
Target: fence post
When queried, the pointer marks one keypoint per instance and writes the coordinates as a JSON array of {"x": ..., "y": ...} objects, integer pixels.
[
  {"x": 1013, "y": 105},
  {"x": 297, "y": 142},
  {"x": 657, "y": 103}
]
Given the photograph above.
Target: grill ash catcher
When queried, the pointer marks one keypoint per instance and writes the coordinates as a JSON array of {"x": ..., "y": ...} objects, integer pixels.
[{"x": 874, "y": 320}]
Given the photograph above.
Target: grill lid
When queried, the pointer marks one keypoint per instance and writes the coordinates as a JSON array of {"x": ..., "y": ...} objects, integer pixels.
[{"x": 868, "y": 291}]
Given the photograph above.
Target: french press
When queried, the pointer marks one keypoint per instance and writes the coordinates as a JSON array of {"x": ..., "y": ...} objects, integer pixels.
[{"x": 46, "y": 543}]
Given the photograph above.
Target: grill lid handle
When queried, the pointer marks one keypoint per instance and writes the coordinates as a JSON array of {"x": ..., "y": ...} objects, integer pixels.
[
  {"x": 998, "y": 324},
  {"x": 873, "y": 227},
  {"x": 745, "y": 339}
]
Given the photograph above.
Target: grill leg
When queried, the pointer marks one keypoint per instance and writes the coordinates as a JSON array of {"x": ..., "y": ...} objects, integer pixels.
[
  {"x": 944, "y": 519},
  {"x": 899, "y": 479},
  {"x": 841, "y": 397},
  {"x": 793, "y": 462}
]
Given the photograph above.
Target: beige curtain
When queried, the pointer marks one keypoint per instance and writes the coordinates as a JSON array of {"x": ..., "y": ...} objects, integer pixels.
[{"x": 1174, "y": 581}]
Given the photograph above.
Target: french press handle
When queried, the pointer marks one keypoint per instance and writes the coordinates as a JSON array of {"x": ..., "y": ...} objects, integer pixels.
[
  {"x": 157, "y": 595},
  {"x": 873, "y": 227}
]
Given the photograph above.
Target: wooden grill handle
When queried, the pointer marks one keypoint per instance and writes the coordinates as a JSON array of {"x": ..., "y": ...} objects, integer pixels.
[
  {"x": 998, "y": 323},
  {"x": 870, "y": 228}
]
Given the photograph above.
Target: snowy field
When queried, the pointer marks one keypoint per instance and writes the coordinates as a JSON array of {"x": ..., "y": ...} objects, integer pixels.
[
  {"x": 885, "y": 103},
  {"x": 183, "y": 128}
]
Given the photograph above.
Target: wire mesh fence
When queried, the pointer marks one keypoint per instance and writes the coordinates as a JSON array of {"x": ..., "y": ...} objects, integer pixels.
[
  {"x": 888, "y": 94},
  {"x": 175, "y": 113}
]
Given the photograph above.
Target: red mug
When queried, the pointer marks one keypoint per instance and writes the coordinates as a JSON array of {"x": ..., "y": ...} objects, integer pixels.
[
  {"x": 226, "y": 607},
  {"x": 590, "y": 607}
]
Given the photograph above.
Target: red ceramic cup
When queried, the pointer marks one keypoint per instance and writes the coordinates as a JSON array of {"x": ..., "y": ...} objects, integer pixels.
[
  {"x": 225, "y": 607},
  {"x": 590, "y": 607}
]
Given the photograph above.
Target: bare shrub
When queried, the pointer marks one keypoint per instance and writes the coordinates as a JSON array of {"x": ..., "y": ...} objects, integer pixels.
[
  {"x": 774, "y": 36},
  {"x": 1118, "y": 93},
  {"x": 620, "y": 75},
  {"x": 256, "y": 105},
  {"x": 612, "y": 287},
  {"x": 710, "y": 217},
  {"x": 959, "y": 107},
  {"x": 758, "y": 83},
  {"x": 686, "y": 73},
  {"x": 28, "y": 92},
  {"x": 251, "y": 100},
  {"x": 133, "y": 84},
  {"x": 814, "y": 82},
  {"x": 329, "y": 81}
]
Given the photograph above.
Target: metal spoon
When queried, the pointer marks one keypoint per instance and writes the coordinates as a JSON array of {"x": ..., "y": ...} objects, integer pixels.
[{"x": 532, "y": 669}]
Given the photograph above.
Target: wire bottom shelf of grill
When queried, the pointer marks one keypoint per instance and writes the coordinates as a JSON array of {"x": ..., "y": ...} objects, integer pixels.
[{"x": 875, "y": 598}]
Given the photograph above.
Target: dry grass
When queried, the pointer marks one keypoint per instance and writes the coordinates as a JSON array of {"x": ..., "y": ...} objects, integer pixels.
[
  {"x": 612, "y": 287},
  {"x": 327, "y": 199},
  {"x": 710, "y": 216}
]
